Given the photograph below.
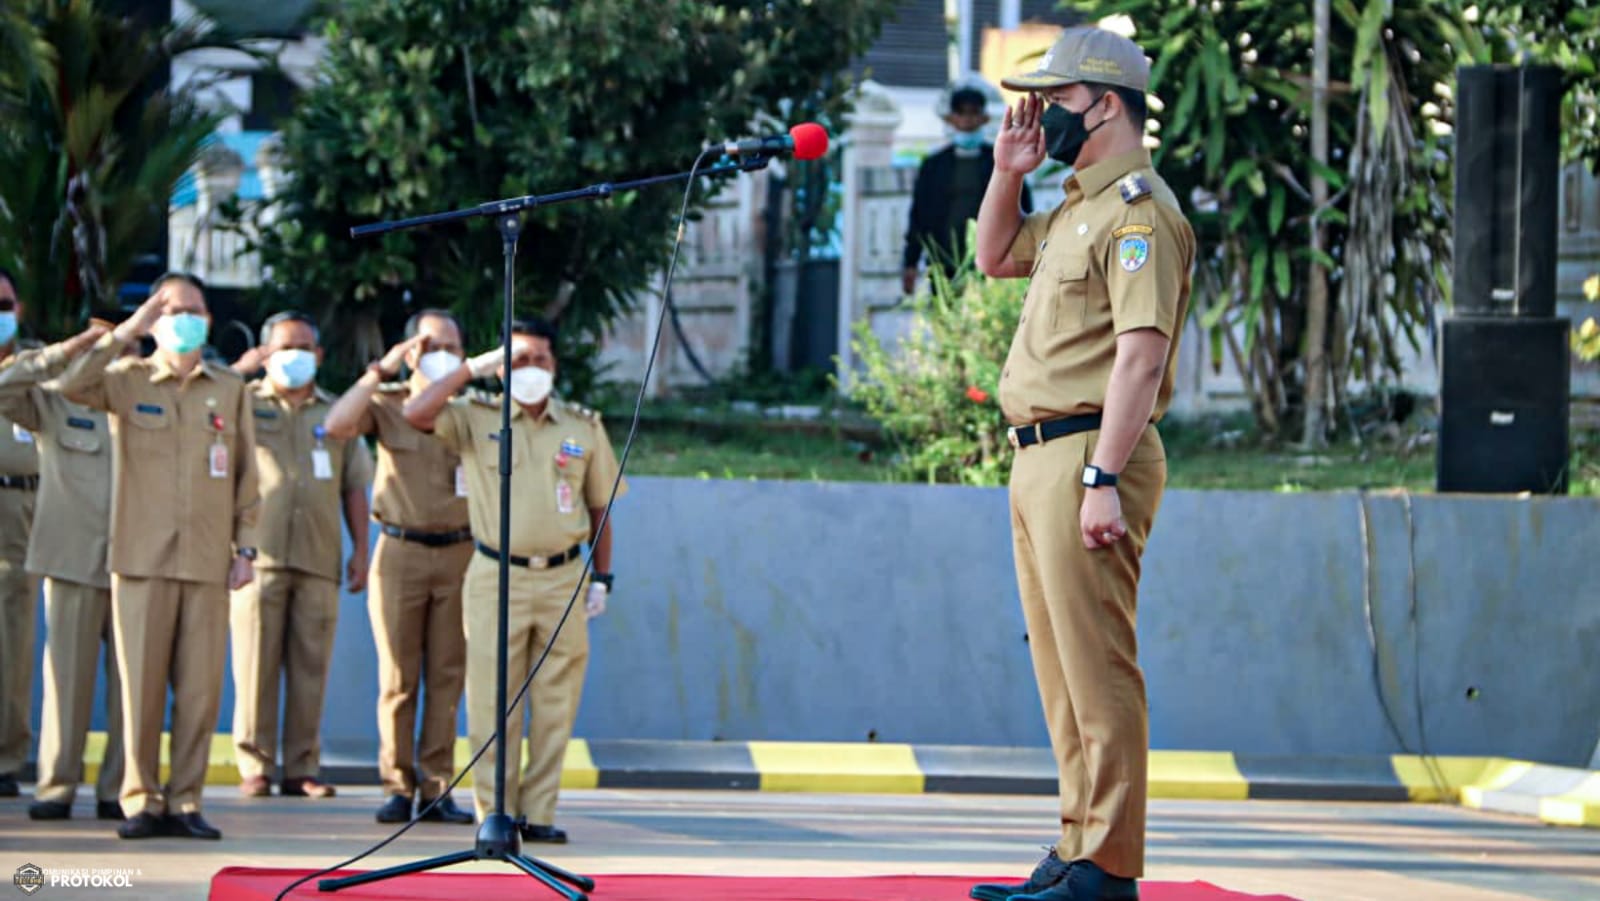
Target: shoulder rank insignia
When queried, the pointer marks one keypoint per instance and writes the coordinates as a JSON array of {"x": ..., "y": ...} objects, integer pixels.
[
  {"x": 483, "y": 398},
  {"x": 1134, "y": 187}
]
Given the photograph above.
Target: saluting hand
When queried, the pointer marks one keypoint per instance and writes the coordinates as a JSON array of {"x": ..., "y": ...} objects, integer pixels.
[
  {"x": 389, "y": 364},
  {"x": 252, "y": 360},
  {"x": 1020, "y": 148},
  {"x": 83, "y": 340},
  {"x": 143, "y": 319},
  {"x": 1100, "y": 518}
]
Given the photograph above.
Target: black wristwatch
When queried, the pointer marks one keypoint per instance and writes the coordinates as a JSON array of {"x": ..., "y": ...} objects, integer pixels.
[
  {"x": 247, "y": 553},
  {"x": 605, "y": 579},
  {"x": 1095, "y": 477}
]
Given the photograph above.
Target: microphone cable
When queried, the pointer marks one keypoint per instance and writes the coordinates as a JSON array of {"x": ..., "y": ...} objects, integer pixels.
[{"x": 588, "y": 561}]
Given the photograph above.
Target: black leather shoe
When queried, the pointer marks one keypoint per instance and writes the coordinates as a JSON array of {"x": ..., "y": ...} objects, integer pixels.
[
  {"x": 143, "y": 824},
  {"x": 395, "y": 810},
  {"x": 1049, "y": 871},
  {"x": 446, "y": 811},
  {"x": 548, "y": 834},
  {"x": 8, "y": 785},
  {"x": 1086, "y": 882},
  {"x": 49, "y": 810},
  {"x": 108, "y": 810},
  {"x": 189, "y": 825}
]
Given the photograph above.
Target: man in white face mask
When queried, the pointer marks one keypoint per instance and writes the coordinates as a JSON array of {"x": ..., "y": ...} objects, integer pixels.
[
  {"x": 283, "y": 623},
  {"x": 419, "y": 500},
  {"x": 562, "y": 471}
]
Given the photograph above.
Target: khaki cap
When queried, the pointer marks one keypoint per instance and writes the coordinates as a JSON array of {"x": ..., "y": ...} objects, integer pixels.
[{"x": 1087, "y": 54}]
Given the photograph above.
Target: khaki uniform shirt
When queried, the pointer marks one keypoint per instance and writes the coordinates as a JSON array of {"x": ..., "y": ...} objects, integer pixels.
[
  {"x": 183, "y": 469},
  {"x": 304, "y": 478},
  {"x": 1114, "y": 256},
  {"x": 18, "y": 454},
  {"x": 72, "y": 514},
  {"x": 420, "y": 485},
  {"x": 561, "y": 465}
]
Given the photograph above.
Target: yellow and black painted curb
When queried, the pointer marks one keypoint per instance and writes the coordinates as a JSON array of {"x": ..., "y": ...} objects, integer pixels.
[{"x": 1556, "y": 795}]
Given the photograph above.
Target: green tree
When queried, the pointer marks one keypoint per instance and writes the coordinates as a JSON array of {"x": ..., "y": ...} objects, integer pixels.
[
  {"x": 426, "y": 106},
  {"x": 93, "y": 148}
]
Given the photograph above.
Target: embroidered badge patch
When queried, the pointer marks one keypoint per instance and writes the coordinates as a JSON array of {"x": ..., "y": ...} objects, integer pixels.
[{"x": 1132, "y": 252}]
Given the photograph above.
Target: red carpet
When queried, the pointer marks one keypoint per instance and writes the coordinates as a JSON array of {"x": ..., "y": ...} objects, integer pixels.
[{"x": 247, "y": 884}]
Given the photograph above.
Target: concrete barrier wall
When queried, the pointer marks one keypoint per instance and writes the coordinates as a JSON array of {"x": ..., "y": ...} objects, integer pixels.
[{"x": 1329, "y": 623}]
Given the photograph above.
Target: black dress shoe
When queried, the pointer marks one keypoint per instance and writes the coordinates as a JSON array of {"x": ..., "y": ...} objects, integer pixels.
[
  {"x": 108, "y": 810},
  {"x": 550, "y": 835},
  {"x": 189, "y": 825},
  {"x": 446, "y": 811},
  {"x": 395, "y": 810},
  {"x": 143, "y": 824},
  {"x": 1086, "y": 882},
  {"x": 8, "y": 785},
  {"x": 49, "y": 810},
  {"x": 1049, "y": 871}
]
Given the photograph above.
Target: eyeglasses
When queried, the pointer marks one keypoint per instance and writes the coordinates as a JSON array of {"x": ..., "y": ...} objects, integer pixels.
[{"x": 7, "y": 305}]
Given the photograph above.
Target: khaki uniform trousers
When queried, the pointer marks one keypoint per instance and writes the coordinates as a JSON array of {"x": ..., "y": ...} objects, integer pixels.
[
  {"x": 168, "y": 632},
  {"x": 1080, "y": 606},
  {"x": 282, "y": 626},
  {"x": 18, "y": 595},
  {"x": 77, "y": 622},
  {"x": 537, "y": 600},
  {"x": 414, "y": 601}
]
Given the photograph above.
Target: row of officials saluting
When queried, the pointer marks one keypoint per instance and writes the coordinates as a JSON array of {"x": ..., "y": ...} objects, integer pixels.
[{"x": 172, "y": 504}]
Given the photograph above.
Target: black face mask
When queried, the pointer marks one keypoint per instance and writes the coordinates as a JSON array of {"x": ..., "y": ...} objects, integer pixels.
[{"x": 1064, "y": 132}]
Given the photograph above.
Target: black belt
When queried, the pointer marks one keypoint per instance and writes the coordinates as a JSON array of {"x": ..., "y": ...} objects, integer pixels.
[
  {"x": 569, "y": 554},
  {"x": 21, "y": 483},
  {"x": 431, "y": 539},
  {"x": 1021, "y": 436}
]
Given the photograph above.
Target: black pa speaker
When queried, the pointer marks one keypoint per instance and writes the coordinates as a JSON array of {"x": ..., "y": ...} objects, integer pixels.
[
  {"x": 1503, "y": 396},
  {"x": 1507, "y": 179}
]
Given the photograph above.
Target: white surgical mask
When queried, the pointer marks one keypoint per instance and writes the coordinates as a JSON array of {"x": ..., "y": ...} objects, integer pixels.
[
  {"x": 436, "y": 364},
  {"x": 531, "y": 384},
  {"x": 292, "y": 368}
]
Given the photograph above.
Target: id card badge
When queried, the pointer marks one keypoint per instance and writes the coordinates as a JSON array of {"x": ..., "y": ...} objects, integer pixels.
[
  {"x": 564, "y": 496},
  {"x": 20, "y": 434},
  {"x": 461, "y": 480},
  {"x": 321, "y": 464},
  {"x": 219, "y": 460}
]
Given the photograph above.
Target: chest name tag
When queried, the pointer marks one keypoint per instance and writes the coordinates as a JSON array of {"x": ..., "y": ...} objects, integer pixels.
[
  {"x": 78, "y": 422},
  {"x": 321, "y": 464},
  {"x": 152, "y": 409},
  {"x": 21, "y": 435}
]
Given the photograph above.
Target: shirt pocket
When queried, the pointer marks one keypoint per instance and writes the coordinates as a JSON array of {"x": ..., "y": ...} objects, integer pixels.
[
  {"x": 151, "y": 422},
  {"x": 488, "y": 451},
  {"x": 1068, "y": 311},
  {"x": 82, "y": 441}
]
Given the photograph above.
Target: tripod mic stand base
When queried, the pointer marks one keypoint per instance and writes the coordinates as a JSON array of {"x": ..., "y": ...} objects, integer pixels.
[{"x": 499, "y": 838}]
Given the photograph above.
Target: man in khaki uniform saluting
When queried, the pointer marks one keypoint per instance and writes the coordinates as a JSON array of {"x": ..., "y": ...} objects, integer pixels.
[
  {"x": 19, "y": 480},
  {"x": 68, "y": 548},
  {"x": 283, "y": 622},
  {"x": 183, "y": 513},
  {"x": 562, "y": 470},
  {"x": 414, "y": 591},
  {"x": 1089, "y": 373}
]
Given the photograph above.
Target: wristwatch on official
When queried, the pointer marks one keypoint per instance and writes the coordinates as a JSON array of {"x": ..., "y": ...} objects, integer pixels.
[
  {"x": 605, "y": 579},
  {"x": 248, "y": 553},
  {"x": 1095, "y": 477}
]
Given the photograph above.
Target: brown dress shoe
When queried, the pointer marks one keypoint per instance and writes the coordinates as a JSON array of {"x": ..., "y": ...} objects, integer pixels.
[
  {"x": 306, "y": 787},
  {"x": 255, "y": 787}
]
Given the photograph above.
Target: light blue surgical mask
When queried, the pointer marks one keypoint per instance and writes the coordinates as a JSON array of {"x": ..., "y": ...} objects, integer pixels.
[
  {"x": 292, "y": 368},
  {"x": 967, "y": 140},
  {"x": 8, "y": 327},
  {"x": 181, "y": 333}
]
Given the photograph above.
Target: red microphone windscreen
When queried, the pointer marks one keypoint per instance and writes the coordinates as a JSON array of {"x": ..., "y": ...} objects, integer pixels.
[{"x": 810, "y": 141}]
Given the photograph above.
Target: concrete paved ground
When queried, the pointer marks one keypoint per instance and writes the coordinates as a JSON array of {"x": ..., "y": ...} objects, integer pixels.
[{"x": 1311, "y": 851}]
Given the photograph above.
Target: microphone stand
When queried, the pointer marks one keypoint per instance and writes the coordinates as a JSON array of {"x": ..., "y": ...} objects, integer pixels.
[{"x": 499, "y": 837}]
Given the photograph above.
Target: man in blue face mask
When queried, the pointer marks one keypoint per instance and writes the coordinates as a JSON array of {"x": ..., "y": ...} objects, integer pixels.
[
  {"x": 283, "y": 622},
  {"x": 1090, "y": 372},
  {"x": 949, "y": 187},
  {"x": 19, "y": 479}
]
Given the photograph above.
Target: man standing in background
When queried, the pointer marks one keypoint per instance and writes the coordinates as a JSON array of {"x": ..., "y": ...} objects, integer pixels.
[{"x": 19, "y": 479}]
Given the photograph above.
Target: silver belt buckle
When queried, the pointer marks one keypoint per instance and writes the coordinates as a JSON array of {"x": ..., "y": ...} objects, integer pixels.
[
  {"x": 538, "y": 562},
  {"x": 1011, "y": 436}
]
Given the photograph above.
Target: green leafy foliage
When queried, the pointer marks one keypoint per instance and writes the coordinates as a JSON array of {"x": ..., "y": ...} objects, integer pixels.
[
  {"x": 90, "y": 153},
  {"x": 936, "y": 395},
  {"x": 425, "y": 106}
]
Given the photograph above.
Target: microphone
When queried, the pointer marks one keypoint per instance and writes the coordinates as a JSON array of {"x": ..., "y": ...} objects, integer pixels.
[{"x": 807, "y": 141}]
